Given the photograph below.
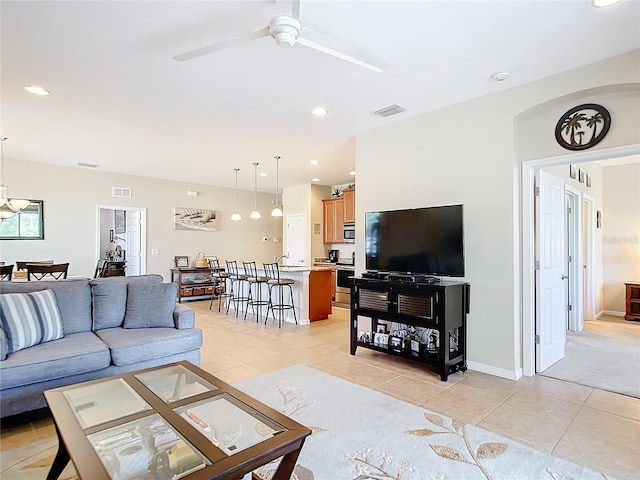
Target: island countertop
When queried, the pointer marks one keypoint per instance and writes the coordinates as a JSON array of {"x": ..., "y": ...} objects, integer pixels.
[{"x": 315, "y": 268}]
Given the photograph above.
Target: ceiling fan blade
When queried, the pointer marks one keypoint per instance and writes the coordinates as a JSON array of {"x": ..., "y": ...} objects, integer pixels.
[
  {"x": 229, "y": 42},
  {"x": 289, "y": 7},
  {"x": 321, "y": 42}
]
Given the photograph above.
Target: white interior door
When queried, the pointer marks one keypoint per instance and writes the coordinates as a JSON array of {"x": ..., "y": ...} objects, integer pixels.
[
  {"x": 296, "y": 239},
  {"x": 551, "y": 319},
  {"x": 133, "y": 244}
]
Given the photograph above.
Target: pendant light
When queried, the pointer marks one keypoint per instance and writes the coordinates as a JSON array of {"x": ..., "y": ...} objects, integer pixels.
[
  {"x": 255, "y": 214},
  {"x": 8, "y": 206},
  {"x": 277, "y": 211},
  {"x": 236, "y": 216}
]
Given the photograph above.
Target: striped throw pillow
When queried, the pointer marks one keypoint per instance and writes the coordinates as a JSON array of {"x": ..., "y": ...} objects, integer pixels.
[{"x": 29, "y": 319}]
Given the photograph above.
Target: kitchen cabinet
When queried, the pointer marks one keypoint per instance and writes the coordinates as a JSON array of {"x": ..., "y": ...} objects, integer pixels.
[
  {"x": 332, "y": 219},
  {"x": 349, "y": 201}
]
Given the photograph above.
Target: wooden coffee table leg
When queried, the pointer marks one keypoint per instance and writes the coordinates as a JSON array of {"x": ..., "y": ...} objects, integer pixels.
[
  {"x": 61, "y": 460},
  {"x": 287, "y": 464}
]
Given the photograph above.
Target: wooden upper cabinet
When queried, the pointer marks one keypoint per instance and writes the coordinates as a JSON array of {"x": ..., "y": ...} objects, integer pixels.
[
  {"x": 333, "y": 214},
  {"x": 349, "y": 199}
]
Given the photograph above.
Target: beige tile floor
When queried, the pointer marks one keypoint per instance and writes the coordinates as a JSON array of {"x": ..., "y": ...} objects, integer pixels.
[{"x": 584, "y": 425}]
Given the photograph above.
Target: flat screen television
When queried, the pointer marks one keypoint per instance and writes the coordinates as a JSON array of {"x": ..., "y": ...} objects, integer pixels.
[{"x": 427, "y": 241}]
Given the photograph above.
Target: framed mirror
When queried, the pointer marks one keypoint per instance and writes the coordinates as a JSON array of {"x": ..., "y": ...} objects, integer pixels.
[{"x": 26, "y": 225}]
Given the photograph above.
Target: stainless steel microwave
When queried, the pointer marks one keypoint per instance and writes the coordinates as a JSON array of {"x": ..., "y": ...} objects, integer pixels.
[{"x": 349, "y": 233}]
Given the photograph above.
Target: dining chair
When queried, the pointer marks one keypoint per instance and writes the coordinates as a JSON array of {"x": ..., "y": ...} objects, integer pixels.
[
  {"x": 6, "y": 272},
  {"x": 45, "y": 272},
  {"x": 23, "y": 265}
]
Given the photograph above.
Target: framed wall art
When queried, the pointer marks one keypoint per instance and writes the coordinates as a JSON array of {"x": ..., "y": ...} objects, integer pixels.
[
  {"x": 120, "y": 221},
  {"x": 196, "y": 219},
  {"x": 572, "y": 170}
]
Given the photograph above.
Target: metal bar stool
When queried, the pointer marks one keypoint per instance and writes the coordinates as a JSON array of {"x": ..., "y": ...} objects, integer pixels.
[
  {"x": 238, "y": 282},
  {"x": 272, "y": 271},
  {"x": 220, "y": 285},
  {"x": 255, "y": 289}
]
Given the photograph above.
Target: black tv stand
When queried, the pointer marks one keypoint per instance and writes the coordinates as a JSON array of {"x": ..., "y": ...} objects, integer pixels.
[{"x": 439, "y": 310}]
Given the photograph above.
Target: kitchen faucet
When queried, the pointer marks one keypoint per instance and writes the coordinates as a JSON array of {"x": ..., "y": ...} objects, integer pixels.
[{"x": 277, "y": 258}]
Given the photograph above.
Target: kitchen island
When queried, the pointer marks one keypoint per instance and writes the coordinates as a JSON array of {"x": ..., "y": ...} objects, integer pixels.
[{"x": 311, "y": 294}]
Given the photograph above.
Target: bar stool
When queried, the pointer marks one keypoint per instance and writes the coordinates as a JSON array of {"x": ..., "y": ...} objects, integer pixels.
[
  {"x": 255, "y": 293},
  {"x": 272, "y": 271},
  {"x": 238, "y": 283},
  {"x": 220, "y": 285}
]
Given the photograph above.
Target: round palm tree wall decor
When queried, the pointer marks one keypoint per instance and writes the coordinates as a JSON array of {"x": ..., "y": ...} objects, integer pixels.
[{"x": 583, "y": 126}]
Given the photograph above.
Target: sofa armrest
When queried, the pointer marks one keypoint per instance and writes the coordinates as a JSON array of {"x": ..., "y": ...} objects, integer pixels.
[{"x": 183, "y": 317}]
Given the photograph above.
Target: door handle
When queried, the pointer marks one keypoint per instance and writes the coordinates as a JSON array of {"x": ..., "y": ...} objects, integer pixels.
[{"x": 564, "y": 277}]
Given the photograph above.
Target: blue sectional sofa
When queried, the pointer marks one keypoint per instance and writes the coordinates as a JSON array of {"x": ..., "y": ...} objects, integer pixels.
[{"x": 108, "y": 326}]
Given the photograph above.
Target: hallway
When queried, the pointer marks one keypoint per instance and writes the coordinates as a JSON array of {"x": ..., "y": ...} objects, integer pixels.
[{"x": 605, "y": 355}]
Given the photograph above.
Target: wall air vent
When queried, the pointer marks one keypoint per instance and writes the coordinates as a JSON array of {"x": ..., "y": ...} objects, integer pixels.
[
  {"x": 390, "y": 110},
  {"x": 121, "y": 192},
  {"x": 87, "y": 165}
]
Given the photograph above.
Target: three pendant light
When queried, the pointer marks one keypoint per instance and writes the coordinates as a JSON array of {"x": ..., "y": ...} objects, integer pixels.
[{"x": 255, "y": 214}]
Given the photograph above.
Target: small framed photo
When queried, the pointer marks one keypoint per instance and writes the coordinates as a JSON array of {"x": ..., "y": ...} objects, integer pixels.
[
  {"x": 181, "y": 261},
  {"x": 572, "y": 170},
  {"x": 381, "y": 328},
  {"x": 364, "y": 337},
  {"x": 381, "y": 340},
  {"x": 120, "y": 221},
  {"x": 588, "y": 180},
  {"x": 581, "y": 175}
]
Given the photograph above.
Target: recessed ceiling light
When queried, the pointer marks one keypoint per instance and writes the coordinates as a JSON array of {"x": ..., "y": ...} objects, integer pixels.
[
  {"x": 315, "y": 179},
  {"x": 314, "y": 162},
  {"x": 319, "y": 111},
  {"x": 36, "y": 90},
  {"x": 352, "y": 173},
  {"x": 604, "y": 3},
  {"x": 501, "y": 76},
  {"x": 264, "y": 174}
]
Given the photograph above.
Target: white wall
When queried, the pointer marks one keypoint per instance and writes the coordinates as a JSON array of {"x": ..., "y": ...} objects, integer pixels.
[
  {"x": 621, "y": 232},
  {"x": 71, "y": 196},
  {"x": 470, "y": 153}
]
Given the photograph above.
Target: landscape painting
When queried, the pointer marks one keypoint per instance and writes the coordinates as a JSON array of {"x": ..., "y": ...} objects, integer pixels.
[{"x": 194, "y": 219}]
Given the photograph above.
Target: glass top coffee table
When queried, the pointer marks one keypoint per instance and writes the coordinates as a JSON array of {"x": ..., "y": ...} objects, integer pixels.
[{"x": 169, "y": 422}]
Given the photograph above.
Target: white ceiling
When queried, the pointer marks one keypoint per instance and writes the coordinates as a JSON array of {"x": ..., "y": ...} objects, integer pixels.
[{"x": 119, "y": 99}]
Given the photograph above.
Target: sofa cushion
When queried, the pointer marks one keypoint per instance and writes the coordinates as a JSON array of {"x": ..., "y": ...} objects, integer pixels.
[
  {"x": 73, "y": 297},
  {"x": 150, "y": 306},
  {"x": 74, "y": 354},
  {"x": 29, "y": 319},
  {"x": 3, "y": 345},
  {"x": 137, "y": 345},
  {"x": 110, "y": 298}
]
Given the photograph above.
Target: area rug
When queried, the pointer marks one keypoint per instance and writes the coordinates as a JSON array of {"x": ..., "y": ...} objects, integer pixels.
[
  {"x": 361, "y": 433},
  {"x": 605, "y": 355}
]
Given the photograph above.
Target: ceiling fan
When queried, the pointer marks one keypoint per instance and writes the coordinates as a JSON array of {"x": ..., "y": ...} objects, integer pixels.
[{"x": 286, "y": 30}]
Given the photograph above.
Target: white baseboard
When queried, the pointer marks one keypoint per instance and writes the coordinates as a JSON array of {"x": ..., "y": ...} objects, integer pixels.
[
  {"x": 613, "y": 313},
  {"x": 498, "y": 372}
]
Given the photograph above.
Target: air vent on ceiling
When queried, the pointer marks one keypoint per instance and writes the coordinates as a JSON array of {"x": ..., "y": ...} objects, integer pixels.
[
  {"x": 88, "y": 165},
  {"x": 390, "y": 110},
  {"x": 121, "y": 192}
]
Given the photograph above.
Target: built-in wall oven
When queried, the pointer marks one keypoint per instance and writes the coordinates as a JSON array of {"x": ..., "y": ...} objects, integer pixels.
[{"x": 343, "y": 284}]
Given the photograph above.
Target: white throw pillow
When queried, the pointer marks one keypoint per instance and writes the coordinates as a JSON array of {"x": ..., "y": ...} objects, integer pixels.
[{"x": 29, "y": 319}]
